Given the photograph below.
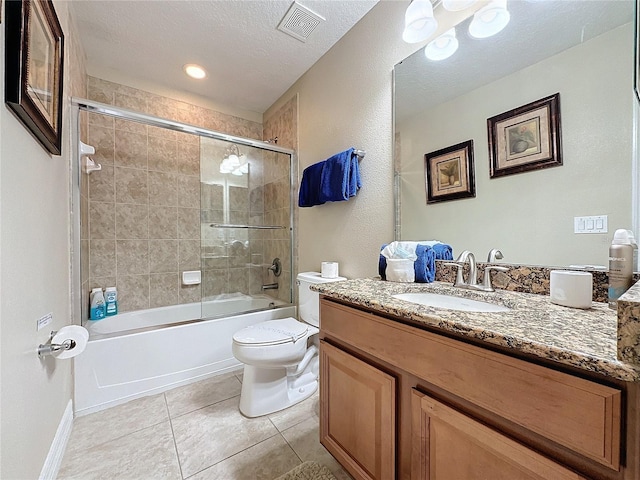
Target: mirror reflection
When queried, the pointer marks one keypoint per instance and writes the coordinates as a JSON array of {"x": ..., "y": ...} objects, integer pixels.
[{"x": 582, "y": 51}]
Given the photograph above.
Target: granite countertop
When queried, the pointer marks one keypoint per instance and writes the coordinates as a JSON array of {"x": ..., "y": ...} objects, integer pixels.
[{"x": 585, "y": 339}]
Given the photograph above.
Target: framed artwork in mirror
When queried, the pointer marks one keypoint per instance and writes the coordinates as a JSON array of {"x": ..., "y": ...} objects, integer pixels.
[
  {"x": 450, "y": 173},
  {"x": 525, "y": 138},
  {"x": 33, "y": 69}
]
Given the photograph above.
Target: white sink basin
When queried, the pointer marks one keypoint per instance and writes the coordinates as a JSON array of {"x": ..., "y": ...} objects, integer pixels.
[{"x": 450, "y": 302}]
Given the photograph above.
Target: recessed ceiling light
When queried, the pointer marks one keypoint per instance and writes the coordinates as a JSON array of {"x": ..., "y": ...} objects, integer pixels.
[{"x": 194, "y": 71}]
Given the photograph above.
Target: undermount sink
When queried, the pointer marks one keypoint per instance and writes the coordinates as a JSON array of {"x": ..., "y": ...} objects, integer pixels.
[{"x": 450, "y": 302}]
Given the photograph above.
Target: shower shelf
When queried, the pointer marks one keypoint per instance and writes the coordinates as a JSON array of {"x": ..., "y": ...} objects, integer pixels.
[{"x": 256, "y": 227}]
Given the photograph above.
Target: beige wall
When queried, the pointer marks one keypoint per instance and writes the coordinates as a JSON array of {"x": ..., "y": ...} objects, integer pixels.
[
  {"x": 35, "y": 276},
  {"x": 529, "y": 216},
  {"x": 345, "y": 100}
]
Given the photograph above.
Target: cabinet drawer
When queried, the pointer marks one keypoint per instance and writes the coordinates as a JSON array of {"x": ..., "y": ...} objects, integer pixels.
[{"x": 577, "y": 413}]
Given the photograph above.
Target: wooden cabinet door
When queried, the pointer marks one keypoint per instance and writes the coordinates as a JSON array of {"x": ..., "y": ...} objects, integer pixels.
[
  {"x": 449, "y": 445},
  {"x": 357, "y": 414}
]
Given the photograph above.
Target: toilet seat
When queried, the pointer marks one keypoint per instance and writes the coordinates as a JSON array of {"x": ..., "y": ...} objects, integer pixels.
[{"x": 271, "y": 332}]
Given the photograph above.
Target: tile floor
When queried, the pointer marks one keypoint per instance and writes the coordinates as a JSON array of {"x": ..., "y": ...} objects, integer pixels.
[{"x": 194, "y": 432}]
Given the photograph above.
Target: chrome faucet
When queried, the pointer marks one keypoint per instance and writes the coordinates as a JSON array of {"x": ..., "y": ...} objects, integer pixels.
[
  {"x": 494, "y": 254},
  {"x": 270, "y": 286},
  {"x": 473, "y": 271},
  {"x": 472, "y": 279}
]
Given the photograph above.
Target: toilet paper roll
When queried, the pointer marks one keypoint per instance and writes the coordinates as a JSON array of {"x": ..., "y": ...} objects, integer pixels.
[
  {"x": 77, "y": 334},
  {"x": 571, "y": 289},
  {"x": 329, "y": 270}
]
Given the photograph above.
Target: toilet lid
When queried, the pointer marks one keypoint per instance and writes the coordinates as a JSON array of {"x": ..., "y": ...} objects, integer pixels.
[{"x": 272, "y": 332}]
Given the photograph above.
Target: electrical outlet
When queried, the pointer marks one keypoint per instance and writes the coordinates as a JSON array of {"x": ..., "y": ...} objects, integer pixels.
[{"x": 591, "y": 224}]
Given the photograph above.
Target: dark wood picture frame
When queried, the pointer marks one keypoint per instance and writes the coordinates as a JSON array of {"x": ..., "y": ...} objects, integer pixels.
[
  {"x": 34, "y": 51},
  {"x": 450, "y": 173},
  {"x": 525, "y": 138}
]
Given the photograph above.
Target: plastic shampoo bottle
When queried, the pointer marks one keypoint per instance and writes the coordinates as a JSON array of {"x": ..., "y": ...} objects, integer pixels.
[
  {"x": 98, "y": 307},
  {"x": 620, "y": 265},
  {"x": 111, "y": 299}
]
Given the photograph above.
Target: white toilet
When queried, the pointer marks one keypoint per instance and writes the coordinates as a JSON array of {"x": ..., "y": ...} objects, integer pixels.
[{"x": 281, "y": 361}]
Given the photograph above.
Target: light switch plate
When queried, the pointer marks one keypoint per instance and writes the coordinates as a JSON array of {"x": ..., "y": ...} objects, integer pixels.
[{"x": 590, "y": 224}]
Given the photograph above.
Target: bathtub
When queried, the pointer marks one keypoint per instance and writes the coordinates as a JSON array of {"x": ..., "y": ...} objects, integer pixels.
[{"x": 134, "y": 354}]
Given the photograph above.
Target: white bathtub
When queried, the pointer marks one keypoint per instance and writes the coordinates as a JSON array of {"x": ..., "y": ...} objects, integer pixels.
[{"x": 140, "y": 353}]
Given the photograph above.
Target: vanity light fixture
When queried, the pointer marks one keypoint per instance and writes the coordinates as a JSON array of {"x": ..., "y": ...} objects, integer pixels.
[
  {"x": 194, "y": 71},
  {"x": 233, "y": 161},
  {"x": 442, "y": 47},
  {"x": 490, "y": 19},
  {"x": 457, "y": 5},
  {"x": 419, "y": 22}
]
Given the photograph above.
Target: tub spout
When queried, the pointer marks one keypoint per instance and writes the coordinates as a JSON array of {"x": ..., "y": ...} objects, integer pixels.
[{"x": 270, "y": 286}]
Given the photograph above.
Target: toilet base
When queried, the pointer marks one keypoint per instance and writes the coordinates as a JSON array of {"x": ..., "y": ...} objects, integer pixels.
[{"x": 268, "y": 390}]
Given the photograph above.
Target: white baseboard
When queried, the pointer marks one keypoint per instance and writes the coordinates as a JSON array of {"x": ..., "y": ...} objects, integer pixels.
[{"x": 58, "y": 446}]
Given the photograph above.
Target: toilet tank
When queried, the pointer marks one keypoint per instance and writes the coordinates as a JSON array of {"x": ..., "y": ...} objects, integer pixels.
[{"x": 309, "y": 301}]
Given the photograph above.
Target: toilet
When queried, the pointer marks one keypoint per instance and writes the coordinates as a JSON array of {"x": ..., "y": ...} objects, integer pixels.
[{"x": 280, "y": 357}]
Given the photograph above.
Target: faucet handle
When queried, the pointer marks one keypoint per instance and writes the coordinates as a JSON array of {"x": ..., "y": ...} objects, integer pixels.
[
  {"x": 459, "y": 278},
  {"x": 486, "y": 282},
  {"x": 494, "y": 254}
]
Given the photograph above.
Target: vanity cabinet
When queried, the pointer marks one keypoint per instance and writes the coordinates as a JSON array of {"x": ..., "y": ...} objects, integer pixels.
[
  {"x": 358, "y": 405},
  {"x": 398, "y": 401}
]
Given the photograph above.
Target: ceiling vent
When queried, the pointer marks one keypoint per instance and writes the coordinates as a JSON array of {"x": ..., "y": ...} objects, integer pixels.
[{"x": 300, "y": 22}]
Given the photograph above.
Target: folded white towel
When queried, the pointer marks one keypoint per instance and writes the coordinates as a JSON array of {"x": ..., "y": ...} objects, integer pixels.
[{"x": 407, "y": 250}]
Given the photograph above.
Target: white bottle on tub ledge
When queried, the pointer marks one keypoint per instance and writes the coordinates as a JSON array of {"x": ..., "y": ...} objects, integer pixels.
[{"x": 111, "y": 300}]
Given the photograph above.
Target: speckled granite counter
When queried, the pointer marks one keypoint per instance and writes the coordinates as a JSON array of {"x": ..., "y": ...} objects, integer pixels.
[{"x": 585, "y": 339}]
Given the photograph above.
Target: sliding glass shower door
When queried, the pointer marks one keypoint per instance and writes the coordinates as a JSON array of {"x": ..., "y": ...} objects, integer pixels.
[{"x": 246, "y": 239}]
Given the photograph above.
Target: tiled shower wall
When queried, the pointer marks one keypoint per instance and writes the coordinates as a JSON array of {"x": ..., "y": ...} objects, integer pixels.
[
  {"x": 283, "y": 124},
  {"x": 142, "y": 225}
]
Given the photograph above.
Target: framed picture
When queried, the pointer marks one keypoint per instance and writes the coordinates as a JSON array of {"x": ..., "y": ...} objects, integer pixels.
[
  {"x": 525, "y": 138},
  {"x": 33, "y": 68},
  {"x": 450, "y": 174}
]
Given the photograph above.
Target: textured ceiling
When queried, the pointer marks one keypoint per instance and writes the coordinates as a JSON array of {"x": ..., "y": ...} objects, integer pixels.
[
  {"x": 250, "y": 63},
  {"x": 537, "y": 30}
]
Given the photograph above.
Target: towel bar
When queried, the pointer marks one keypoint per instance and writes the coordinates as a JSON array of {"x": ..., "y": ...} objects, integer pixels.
[
  {"x": 257, "y": 227},
  {"x": 360, "y": 154}
]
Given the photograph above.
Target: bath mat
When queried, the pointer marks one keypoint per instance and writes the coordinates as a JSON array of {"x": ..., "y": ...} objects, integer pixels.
[{"x": 308, "y": 471}]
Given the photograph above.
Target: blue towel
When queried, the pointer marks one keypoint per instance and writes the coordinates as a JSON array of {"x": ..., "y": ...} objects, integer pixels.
[
  {"x": 443, "y": 251},
  {"x": 333, "y": 180},
  {"x": 424, "y": 267},
  {"x": 425, "y": 264}
]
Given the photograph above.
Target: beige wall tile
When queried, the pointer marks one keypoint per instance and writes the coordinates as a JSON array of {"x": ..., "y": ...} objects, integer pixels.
[
  {"x": 131, "y": 102},
  {"x": 239, "y": 199},
  {"x": 188, "y": 159},
  {"x": 163, "y": 222},
  {"x": 189, "y": 223},
  {"x": 215, "y": 282},
  {"x": 98, "y": 120},
  {"x": 132, "y": 221},
  {"x": 238, "y": 280},
  {"x": 163, "y": 256},
  {"x": 190, "y": 293},
  {"x": 188, "y": 255},
  {"x": 102, "y": 185},
  {"x": 102, "y": 258},
  {"x": 102, "y": 139},
  {"x": 188, "y": 191},
  {"x": 133, "y": 292},
  {"x": 131, "y": 185},
  {"x": 132, "y": 257},
  {"x": 212, "y": 197},
  {"x": 102, "y": 223},
  {"x": 130, "y": 126},
  {"x": 100, "y": 90},
  {"x": 163, "y": 154},
  {"x": 163, "y": 289},
  {"x": 163, "y": 189},
  {"x": 130, "y": 149}
]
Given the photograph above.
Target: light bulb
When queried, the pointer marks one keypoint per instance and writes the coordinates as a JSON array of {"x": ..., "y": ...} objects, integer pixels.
[
  {"x": 419, "y": 23},
  {"x": 490, "y": 19},
  {"x": 442, "y": 47},
  {"x": 194, "y": 71}
]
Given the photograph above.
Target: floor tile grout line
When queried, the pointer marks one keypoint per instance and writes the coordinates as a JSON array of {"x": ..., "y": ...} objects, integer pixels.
[
  {"x": 173, "y": 435},
  {"x": 203, "y": 407},
  {"x": 239, "y": 452}
]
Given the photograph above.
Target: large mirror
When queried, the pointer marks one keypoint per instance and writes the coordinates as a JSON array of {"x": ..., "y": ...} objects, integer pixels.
[{"x": 583, "y": 50}]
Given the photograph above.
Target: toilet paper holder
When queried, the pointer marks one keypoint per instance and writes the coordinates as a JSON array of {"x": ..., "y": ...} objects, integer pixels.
[{"x": 45, "y": 349}]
